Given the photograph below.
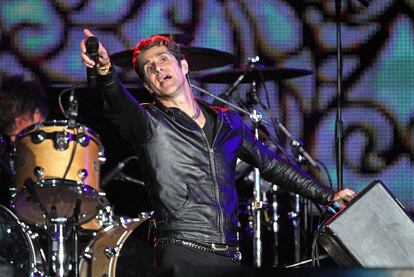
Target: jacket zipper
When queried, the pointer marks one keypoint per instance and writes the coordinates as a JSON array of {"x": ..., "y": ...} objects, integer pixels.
[
  {"x": 218, "y": 197},
  {"x": 213, "y": 163}
]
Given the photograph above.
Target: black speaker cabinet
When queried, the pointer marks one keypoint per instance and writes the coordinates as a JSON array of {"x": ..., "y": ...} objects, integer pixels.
[{"x": 372, "y": 231}]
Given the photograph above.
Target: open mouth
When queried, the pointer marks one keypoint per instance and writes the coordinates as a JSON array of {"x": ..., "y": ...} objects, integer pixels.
[{"x": 166, "y": 78}]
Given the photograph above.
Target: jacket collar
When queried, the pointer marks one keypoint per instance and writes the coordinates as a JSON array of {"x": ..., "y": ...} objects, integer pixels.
[{"x": 213, "y": 109}]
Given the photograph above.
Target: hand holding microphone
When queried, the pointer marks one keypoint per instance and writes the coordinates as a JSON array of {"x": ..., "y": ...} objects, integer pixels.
[
  {"x": 92, "y": 46},
  {"x": 93, "y": 55}
]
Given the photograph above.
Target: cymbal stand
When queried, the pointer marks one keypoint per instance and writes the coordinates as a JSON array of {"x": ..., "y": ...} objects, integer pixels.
[
  {"x": 58, "y": 261},
  {"x": 257, "y": 204},
  {"x": 75, "y": 229},
  {"x": 29, "y": 185},
  {"x": 275, "y": 225}
]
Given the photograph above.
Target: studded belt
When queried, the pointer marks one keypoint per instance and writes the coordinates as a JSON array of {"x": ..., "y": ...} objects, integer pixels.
[{"x": 218, "y": 249}]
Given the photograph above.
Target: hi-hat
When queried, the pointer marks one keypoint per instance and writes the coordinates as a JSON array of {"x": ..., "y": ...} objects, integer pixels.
[
  {"x": 198, "y": 58},
  {"x": 268, "y": 73}
]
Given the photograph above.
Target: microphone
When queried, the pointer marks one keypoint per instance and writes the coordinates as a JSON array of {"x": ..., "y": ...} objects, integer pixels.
[
  {"x": 113, "y": 173},
  {"x": 124, "y": 177},
  {"x": 228, "y": 92},
  {"x": 73, "y": 107},
  {"x": 252, "y": 63},
  {"x": 92, "y": 46},
  {"x": 298, "y": 148}
]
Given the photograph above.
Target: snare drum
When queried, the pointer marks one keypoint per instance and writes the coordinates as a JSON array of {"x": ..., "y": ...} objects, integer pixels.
[
  {"x": 20, "y": 255},
  {"x": 122, "y": 249},
  {"x": 56, "y": 165}
]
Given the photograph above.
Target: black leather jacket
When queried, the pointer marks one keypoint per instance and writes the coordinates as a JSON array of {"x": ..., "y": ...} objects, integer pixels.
[{"x": 190, "y": 183}]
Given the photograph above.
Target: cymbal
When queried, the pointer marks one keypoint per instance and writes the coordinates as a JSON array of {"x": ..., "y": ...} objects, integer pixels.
[
  {"x": 268, "y": 73},
  {"x": 198, "y": 58}
]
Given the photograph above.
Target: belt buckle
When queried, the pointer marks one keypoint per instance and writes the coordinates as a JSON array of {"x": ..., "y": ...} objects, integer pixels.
[{"x": 218, "y": 248}]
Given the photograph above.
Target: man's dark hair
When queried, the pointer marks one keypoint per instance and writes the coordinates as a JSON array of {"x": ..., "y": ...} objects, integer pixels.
[
  {"x": 17, "y": 97},
  {"x": 150, "y": 42}
]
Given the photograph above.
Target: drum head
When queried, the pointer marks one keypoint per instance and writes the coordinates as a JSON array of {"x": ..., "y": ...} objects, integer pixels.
[
  {"x": 16, "y": 250},
  {"x": 58, "y": 195}
]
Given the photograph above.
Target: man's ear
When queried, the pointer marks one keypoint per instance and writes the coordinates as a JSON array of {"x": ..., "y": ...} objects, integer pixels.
[{"x": 184, "y": 66}]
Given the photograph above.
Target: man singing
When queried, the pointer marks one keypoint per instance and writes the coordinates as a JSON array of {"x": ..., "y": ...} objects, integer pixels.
[{"x": 188, "y": 152}]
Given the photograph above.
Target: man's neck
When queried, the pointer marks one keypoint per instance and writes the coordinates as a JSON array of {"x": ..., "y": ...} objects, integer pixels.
[{"x": 184, "y": 101}]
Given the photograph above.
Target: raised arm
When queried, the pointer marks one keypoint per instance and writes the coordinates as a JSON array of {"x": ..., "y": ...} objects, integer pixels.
[{"x": 133, "y": 122}]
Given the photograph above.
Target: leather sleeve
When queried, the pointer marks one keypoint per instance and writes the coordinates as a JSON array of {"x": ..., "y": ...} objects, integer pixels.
[
  {"x": 133, "y": 121},
  {"x": 280, "y": 172}
]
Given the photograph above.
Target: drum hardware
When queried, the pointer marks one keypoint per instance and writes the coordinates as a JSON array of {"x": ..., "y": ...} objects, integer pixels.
[
  {"x": 75, "y": 228},
  {"x": 61, "y": 140},
  {"x": 247, "y": 71},
  {"x": 103, "y": 219},
  {"x": 58, "y": 260},
  {"x": 111, "y": 251},
  {"x": 63, "y": 235},
  {"x": 256, "y": 118},
  {"x": 41, "y": 157},
  {"x": 123, "y": 177},
  {"x": 275, "y": 225},
  {"x": 39, "y": 172},
  {"x": 258, "y": 73},
  {"x": 58, "y": 168},
  {"x": 108, "y": 252},
  {"x": 117, "y": 171},
  {"x": 82, "y": 173},
  {"x": 72, "y": 112},
  {"x": 20, "y": 254}
]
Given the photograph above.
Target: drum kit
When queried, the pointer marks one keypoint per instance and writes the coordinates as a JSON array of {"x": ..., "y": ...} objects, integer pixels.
[{"x": 57, "y": 196}]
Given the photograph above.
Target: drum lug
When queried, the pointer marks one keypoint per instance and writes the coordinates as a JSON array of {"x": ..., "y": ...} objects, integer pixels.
[
  {"x": 61, "y": 140},
  {"x": 39, "y": 172},
  {"x": 101, "y": 157},
  {"x": 38, "y": 136},
  {"x": 111, "y": 251},
  {"x": 82, "y": 174},
  {"x": 83, "y": 139},
  {"x": 87, "y": 256}
]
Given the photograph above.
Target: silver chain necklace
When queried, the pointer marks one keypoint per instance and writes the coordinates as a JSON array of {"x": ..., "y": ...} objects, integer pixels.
[{"x": 197, "y": 114}]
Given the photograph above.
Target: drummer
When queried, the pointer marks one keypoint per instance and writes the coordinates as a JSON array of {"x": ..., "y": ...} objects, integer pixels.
[
  {"x": 22, "y": 103},
  {"x": 188, "y": 150}
]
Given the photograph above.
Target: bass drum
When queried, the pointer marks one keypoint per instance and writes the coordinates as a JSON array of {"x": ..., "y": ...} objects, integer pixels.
[
  {"x": 122, "y": 249},
  {"x": 19, "y": 254}
]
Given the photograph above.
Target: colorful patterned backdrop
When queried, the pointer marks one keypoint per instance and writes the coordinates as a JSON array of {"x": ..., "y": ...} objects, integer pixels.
[{"x": 40, "y": 39}]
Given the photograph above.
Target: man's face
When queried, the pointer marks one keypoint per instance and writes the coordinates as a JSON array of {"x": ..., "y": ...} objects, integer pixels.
[{"x": 164, "y": 75}]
